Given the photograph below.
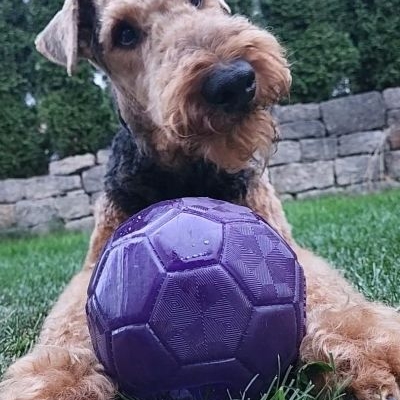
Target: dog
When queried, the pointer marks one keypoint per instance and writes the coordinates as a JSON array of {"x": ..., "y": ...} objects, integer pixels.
[{"x": 193, "y": 86}]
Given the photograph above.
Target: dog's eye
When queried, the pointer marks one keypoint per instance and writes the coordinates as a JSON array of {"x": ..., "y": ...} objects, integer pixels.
[
  {"x": 196, "y": 3},
  {"x": 125, "y": 35}
]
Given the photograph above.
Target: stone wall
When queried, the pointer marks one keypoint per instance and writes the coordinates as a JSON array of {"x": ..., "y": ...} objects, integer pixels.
[
  {"x": 64, "y": 198},
  {"x": 350, "y": 144}
]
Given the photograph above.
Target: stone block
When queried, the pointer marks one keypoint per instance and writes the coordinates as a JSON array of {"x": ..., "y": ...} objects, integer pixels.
[
  {"x": 7, "y": 216},
  {"x": 318, "y": 149},
  {"x": 357, "y": 113},
  {"x": 356, "y": 169},
  {"x": 94, "y": 197},
  {"x": 372, "y": 186},
  {"x": 102, "y": 156},
  {"x": 361, "y": 143},
  {"x": 393, "y": 117},
  {"x": 71, "y": 165},
  {"x": 302, "y": 129},
  {"x": 286, "y": 197},
  {"x": 393, "y": 164},
  {"x": 294, "y": 178},
  {"x": 93, "y": 179},
  {"x": 81, "y": 225},
  {"x": 74, "y": 193},
  {"x": 318, "y": 193},
  {"x": 46, "y": 228},
  {"x": 30, "y": 213},
  {"x": 392, "y": 97},
  {"x": 394, "y": 137},
  {"x": 297, "y": 112},
  {"x": 41, "y": 187},
  {"x": 12, "y": 190},
  {"x": 73, "y": 207},
  {"x": 287, "y": 152}
]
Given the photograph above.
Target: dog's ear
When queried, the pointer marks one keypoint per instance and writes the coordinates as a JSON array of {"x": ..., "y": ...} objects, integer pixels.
[
  {"x": 59, "y": 40},
  {"x": 225, "y": 6}
]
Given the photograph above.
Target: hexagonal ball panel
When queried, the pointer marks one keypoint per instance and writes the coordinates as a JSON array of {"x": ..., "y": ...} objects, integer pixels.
[
  {"x": 147, "y": 220},
  {"x": 272, "y": 331},
  {"x": 187, "y": 241},
  {"x": 142, "y": 363},
  {"x": 260, "y": 262},
  {"x": 129, "y": 282},
  {"x": 219, "y": 210},
  {"x": 201, "y": 315},
  {"x": 100, "y": 335},
  {"x": 215, "y": 376},
  {"x": 99, "y": 269}
]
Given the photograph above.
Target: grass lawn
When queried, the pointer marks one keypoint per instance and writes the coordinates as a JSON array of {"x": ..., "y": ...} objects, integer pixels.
[{"x": 360, "y": 234}]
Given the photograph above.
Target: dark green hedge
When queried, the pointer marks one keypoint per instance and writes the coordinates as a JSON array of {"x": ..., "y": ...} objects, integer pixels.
[
  {"x": 330, "y": 40},
  {"x": 70, "y": 115},
  {"x": 327, "y": 41}
]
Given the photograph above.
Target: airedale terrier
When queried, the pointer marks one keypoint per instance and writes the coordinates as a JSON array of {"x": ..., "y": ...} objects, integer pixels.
[{"x": 192, "y": 85}]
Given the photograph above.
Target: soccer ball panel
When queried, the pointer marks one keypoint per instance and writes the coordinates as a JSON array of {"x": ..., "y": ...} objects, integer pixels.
[
  {"x": 147, "y": 220},
  {"x": 219, "y": 375},
  {"x": 259, "y": 262},
  {"x": 201, "y": 315},
  {"x": 283, "y": 269},
  {"x": 98, "y": 270},
  {"x": 219, "y": 210},
  {"x": 272, "y": 333},
  {"x": 100, "y": 336},
  {"x": 142, "y": 361},
  {"x": 187, "y": 241},
  {"x": 130, "y": 280}
]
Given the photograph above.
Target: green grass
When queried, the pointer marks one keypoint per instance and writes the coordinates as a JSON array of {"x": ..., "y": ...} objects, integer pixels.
[
  {"x": 33, "y": 272},
  {"x": 360, "y": 234}
]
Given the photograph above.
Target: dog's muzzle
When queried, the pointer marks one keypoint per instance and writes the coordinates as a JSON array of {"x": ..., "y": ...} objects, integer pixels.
[{"x": 230, "y": 86}]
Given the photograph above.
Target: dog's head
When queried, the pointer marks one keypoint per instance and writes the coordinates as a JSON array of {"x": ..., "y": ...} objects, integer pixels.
[{"x": 192, "y": 80}]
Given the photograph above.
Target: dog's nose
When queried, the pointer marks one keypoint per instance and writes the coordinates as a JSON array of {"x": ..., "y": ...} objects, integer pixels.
[{"x": 230, "y": 86}]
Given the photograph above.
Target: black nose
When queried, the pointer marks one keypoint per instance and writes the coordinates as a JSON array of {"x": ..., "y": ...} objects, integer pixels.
[{"x": 230, "y": 86}]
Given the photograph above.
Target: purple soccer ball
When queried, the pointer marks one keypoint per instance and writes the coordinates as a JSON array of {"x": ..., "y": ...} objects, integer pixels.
[{"x": 192, "y": 295}]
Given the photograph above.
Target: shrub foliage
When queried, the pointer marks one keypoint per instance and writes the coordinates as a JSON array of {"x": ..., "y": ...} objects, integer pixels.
[
  {"x": 65, "y": 116},
  {"x": 327, "y": 41}
]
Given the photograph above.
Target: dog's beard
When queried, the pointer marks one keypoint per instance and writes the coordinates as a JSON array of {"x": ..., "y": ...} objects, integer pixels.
[{"x": 229, "y": 142}]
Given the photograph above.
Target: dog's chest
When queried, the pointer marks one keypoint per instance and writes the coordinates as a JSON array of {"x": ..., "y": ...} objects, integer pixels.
[{"x": 134, "y": 181}]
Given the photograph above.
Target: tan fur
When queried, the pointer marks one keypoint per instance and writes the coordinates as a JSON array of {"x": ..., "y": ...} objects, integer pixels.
[
  {"x": 107, "y": 219},
  {"x": 262, "y": 199},
  {"x": 59, "y": 41},
  {"x": 156, "y": 87}
]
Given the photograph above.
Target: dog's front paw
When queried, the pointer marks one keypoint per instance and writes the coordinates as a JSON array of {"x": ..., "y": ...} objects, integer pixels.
[
  {"x": 364, "y": 341},
  {"x": 54, "y": 373},
  {"x": 374, "y": 380}
]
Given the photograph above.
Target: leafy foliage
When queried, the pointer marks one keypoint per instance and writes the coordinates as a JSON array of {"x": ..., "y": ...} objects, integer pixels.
[
  {"x": 323, "y": 56},
  {"x": 329, "y": 40},
  {"x": 67, "y": 116},
  {"x": 20, "y": 146},
  {"x": 377, "y": 37},
  {"x": 86, "y": 126}
]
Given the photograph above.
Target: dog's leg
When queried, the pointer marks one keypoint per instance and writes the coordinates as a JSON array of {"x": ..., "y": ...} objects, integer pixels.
[
  {"x": 107, "y": 218},
  {"x": 262, "y": 199},
  {"x": 62, "y": 366},
  {"x": 363, "y": 337}
]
